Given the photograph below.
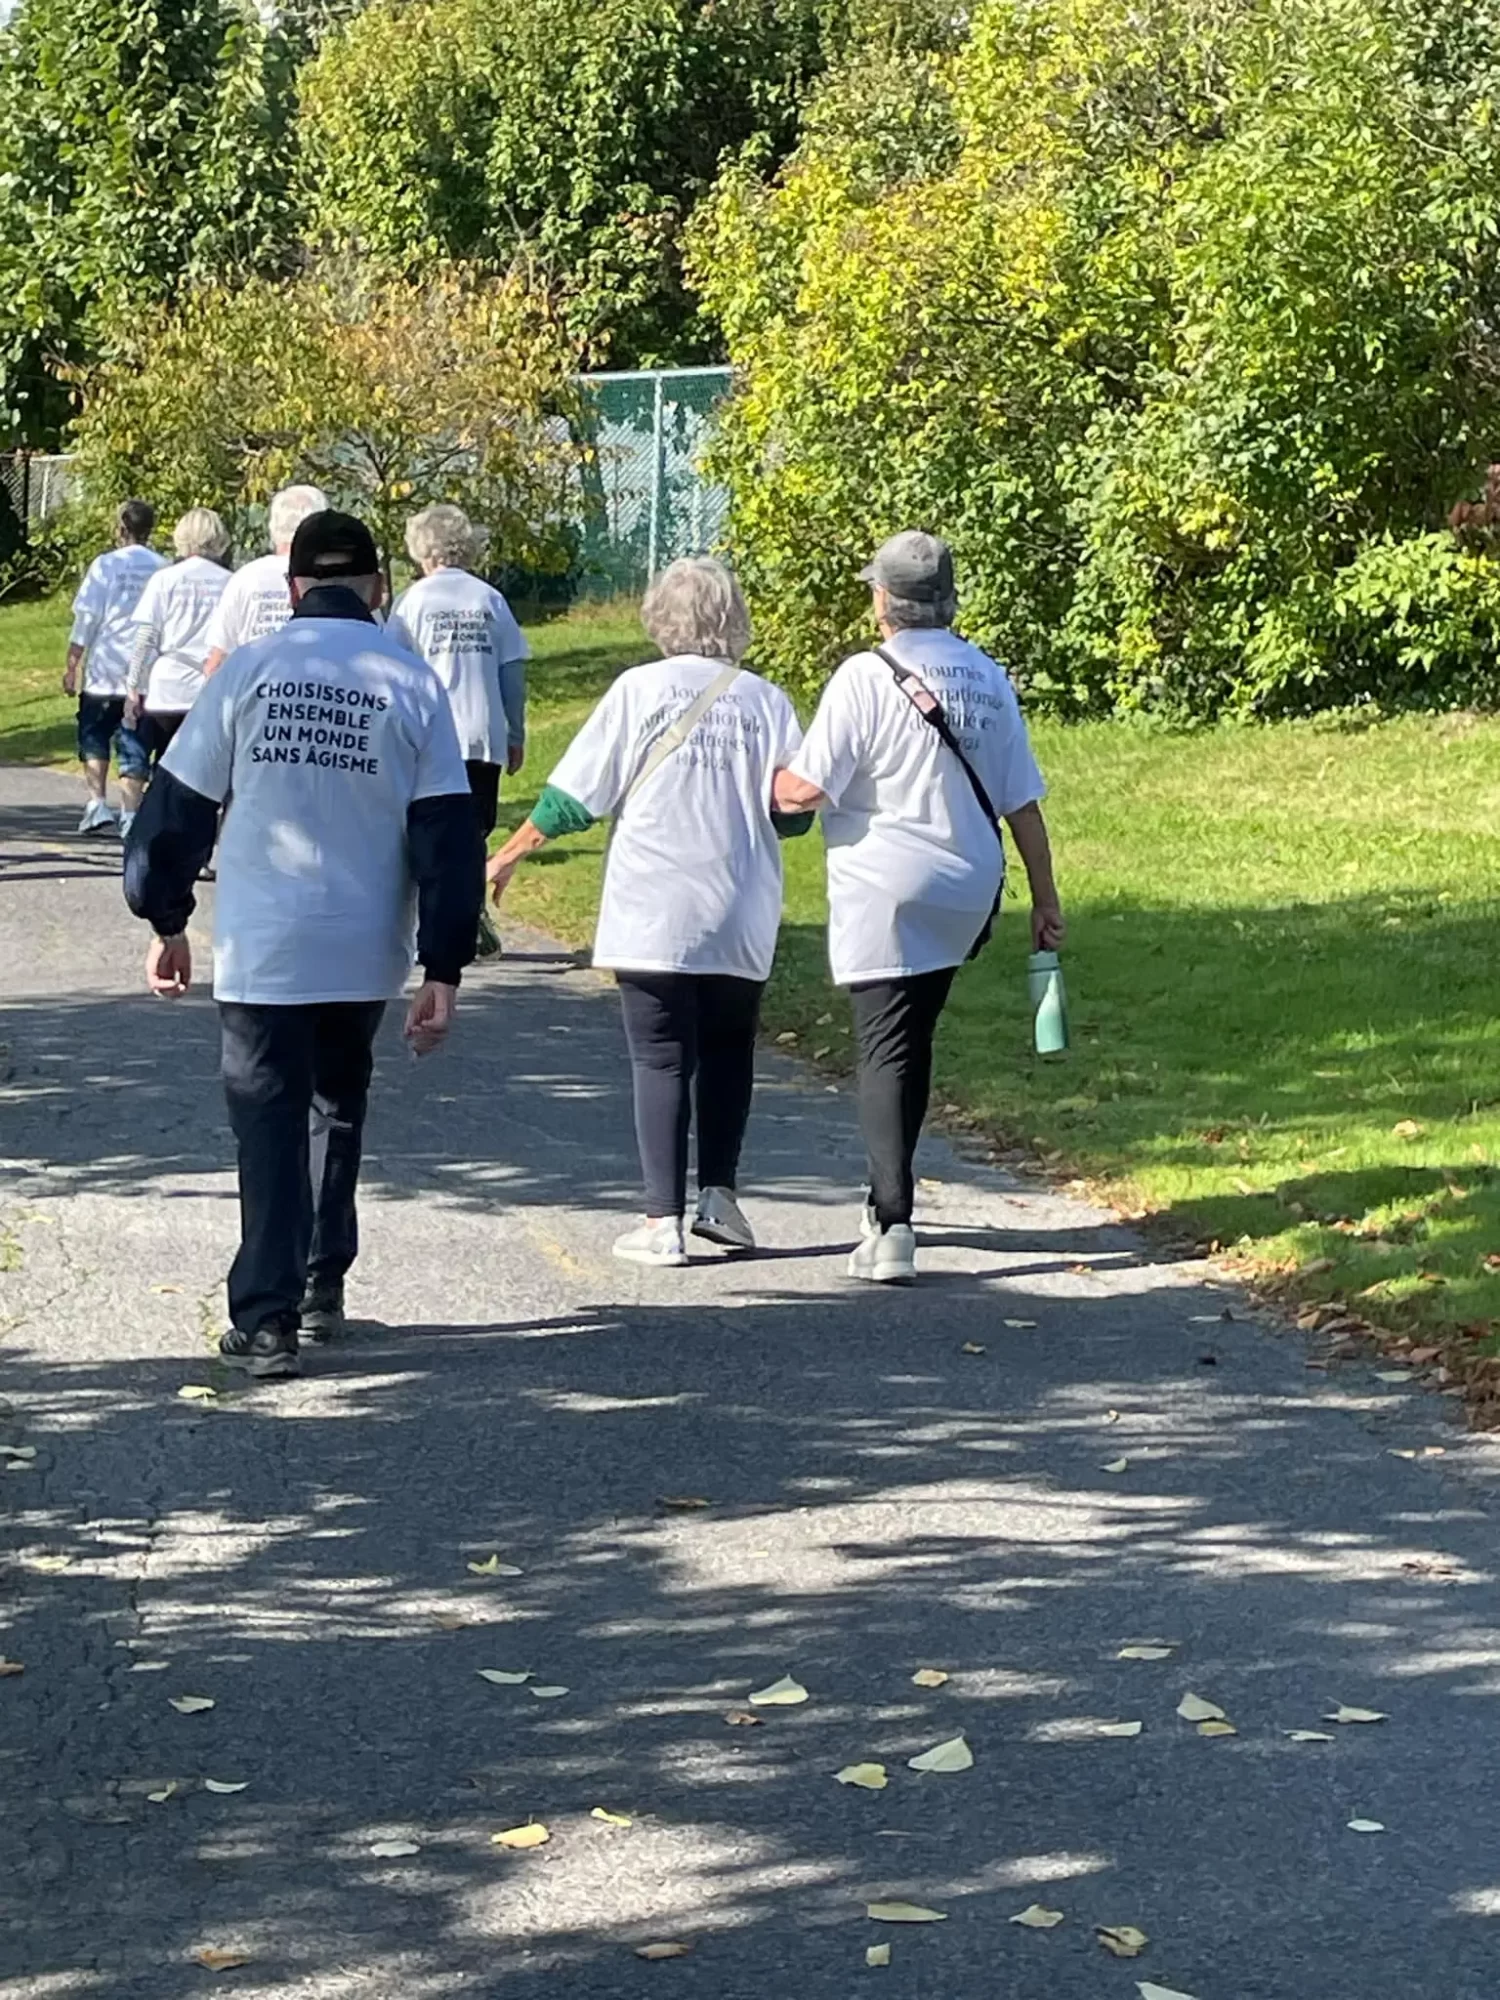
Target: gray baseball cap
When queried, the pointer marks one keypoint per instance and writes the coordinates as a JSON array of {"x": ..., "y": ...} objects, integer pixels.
[{"x": 912, "y": 565}]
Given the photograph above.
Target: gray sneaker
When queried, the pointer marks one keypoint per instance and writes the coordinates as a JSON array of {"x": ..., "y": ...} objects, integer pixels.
[
  {"x": 721, "y": 1220},
  {"x": 323, "y": 1315},
  {"x": 887, "y": 1257}
]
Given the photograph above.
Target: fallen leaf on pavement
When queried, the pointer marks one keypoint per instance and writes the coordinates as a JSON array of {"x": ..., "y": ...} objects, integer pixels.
[
  {"x": 1193, "y": 1708},
  {"x": 547, "y": 1693},
  {"x": 1217, "y": 1727},
  {"x": 662, "y": 1950},
  {"x": 218, "y": 1785},
  {"x": 1392, "y": 1375},
  {"x": 160, "y": 1798},
  {"x": 50, "y": 1565},
  {"x": 869, "y": 1777},
  {"x": 969, "y": 1347},
  {"x": 162, "y": 1290},
  {"x": 492, "y": 1566},
  {"x": 197, "y": 1392},
  {"x": 904, "y": 1913},
  {"x": 1343, "y": 1713},
  {"x": 191, "y": 1704},
  {"x": 1123, "y": 1940},
  {"x": 785, "y": 1693},
  {"x": 1036, "y": 1918},
  {"x": 17, "y": 1451},
  {"x": 533, "y": 1834},
  {"x": 221, "y": 1961},
  {"x": 1366, "y": 1826},
  {"x": 1116, "y": 1465},
  {"x": 1149, "y": 1992},
  {"x": 683, "y": 1502},
  {"x": 952, "y": 1755},
  {"x": 1111, "y": 1416},
  {"x": 393, "y": 1850},
  {"x": 1021, "y": 1322},
  {"x": 501, "y": 1678},
  {"x": 877, "y": 1954},
  {"x": 449, "y": 1620},
  {"x": 611, "y": 1818},
  {"x": 929, "y": 1677},
  {"x": 9, "y": 1668},
  {"x": 1120, "y": 1728},
  {"x": 1309, "y": 1736},
  {"x": 1145, "y": 1653},
  {"x": 740, "y": 1718}
]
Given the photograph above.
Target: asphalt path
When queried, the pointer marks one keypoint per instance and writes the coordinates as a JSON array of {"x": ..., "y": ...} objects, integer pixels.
[{"x": 882, "y": 1499}]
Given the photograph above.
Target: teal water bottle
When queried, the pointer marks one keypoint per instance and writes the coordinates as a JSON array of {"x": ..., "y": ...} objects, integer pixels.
[{"x": 1049, "y": 1003}]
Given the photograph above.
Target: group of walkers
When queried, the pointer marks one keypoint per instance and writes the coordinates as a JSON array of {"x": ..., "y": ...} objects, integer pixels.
[{"x": 348, "y": 772}]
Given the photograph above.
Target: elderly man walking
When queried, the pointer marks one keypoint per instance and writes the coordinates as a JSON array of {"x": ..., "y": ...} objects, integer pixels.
[
  {"x": 347, "y": 824},
  {"x": 99, "y": 650},
  {"x": 916, "y": 753},
  {"x": 256, "y": 600}
]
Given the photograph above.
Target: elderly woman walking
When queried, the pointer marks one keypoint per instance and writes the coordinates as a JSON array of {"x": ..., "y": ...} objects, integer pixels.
[
  {"x": 172, "y": 631},
  {"x": 916, "y": 754},
  {"x": 681, "y": 754}
]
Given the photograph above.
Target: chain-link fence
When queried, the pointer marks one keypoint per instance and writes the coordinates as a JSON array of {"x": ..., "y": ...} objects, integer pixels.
[{"x": 34, "y": 484}]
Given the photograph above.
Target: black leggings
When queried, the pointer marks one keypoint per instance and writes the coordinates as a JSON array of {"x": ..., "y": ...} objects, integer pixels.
[
  {"x": 895, "y": 1021},
  {"x": 484, "y": 786},
  {"x": 683, "y": 1027}
]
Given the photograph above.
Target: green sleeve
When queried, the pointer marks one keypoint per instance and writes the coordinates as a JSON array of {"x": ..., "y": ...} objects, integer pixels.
[{"x": 558, "y": 812}]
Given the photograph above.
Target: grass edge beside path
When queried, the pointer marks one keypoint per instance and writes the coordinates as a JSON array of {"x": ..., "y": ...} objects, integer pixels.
[{"x": 1286, "y": 1046}]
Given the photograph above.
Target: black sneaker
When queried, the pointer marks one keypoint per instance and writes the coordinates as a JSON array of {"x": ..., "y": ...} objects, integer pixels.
[
  {"x": 268, "y": 1352},
  {"x": 323, "y": 1314}
]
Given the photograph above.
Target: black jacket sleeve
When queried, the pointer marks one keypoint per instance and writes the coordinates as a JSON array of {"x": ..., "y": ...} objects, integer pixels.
[
  {"x": 446, "y": 851},
  {"x": 169, "y": 847}
]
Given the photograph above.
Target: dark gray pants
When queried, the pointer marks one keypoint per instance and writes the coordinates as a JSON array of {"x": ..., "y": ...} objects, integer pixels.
[
  {"x": 895, "y": 1023},
  {"x": 297, "y": 1080},
  {"x": 691, "y": 1037}
]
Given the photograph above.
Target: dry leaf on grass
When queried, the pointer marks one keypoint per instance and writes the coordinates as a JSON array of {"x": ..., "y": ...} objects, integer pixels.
[
  {"x": 929, "y": 1677},
  {"x": 904, "y": 1913},
  {"x": 492, "y": 1566},
  {"x": 662, "y": 1950},
  {"x": 1406, "y": 1128},
  {"x": 952, "y": 1755},
  {"x": 1193, "y": 1708},
  {"x": 741, "y": 1718},
  {"x": 533, "y": 1834},
  {"x": 192, "y": 1704},
  {"x": 550, "y": 1693},
  {"x": 1308, "y": 1736},
  {"x": 395, "y": 1850},
  {"x": 1036, "y": 1918},
  {"x": 869, "y": 1777},
  {"x": 160, "y": 1798},
  {"x": 501, "y": 1678},
  {"x": 219, "y": 1786},
  {"x": 1366, "y": 1826},
  {"x": 877, "y": 1954},
  {"x": 785, "y": 1693},
  {"x": 197, "y": 1392},
  {"x": 220, "y": 1961},
  {"x": 1145, "y": 1653},
  {"x": 8, "y": 1668},
  {"x": 1120, "y": 1728},
  {"x": 1343, "y": 1713},
  {"x": 1123, "y": 1940},
  {"x": 683, "y": 1503},
  {"x": 1216, "y": 1727},
  {"x": 1116, "y": 1465},
  {"x": 611, "y": 1818}
]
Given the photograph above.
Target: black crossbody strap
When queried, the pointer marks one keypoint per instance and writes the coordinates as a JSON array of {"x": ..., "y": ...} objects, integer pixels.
[{"x": 927, "y": 705}]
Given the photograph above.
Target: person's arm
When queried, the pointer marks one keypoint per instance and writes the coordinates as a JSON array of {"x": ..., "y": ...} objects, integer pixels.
[
  {"x": 88, "y": 611},
  {"x": 215, "y": 658},
  {"x": 555, "y": 813},
  {"x": 76, "y": 654},
  {"x": 1029, "y": 831},
  {"x": 513, "y": 699},
  {"x": 792, "y": 796},
  {"x": 445, "y": 852},
  {"x": 143, "y": 652},
  {"x": 169, "y": 846}
]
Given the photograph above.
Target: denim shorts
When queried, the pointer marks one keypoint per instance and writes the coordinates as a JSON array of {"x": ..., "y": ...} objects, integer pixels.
[{"x": 100, "y": 723}]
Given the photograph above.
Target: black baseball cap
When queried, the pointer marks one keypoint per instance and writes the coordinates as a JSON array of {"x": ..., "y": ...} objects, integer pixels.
[
  {"x": 913, "y": 565},
  {"x": 330, "y": 547}
]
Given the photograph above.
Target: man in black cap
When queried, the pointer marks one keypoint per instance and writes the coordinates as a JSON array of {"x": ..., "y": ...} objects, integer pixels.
[
  {"x": 916, "y": 754},
  {"x": 347, "y": 824}
]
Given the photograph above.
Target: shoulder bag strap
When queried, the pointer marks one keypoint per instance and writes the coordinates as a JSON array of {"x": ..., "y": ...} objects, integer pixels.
[
  {"x": 927, "y": 705},
  {"x": 673, "y": 739}
]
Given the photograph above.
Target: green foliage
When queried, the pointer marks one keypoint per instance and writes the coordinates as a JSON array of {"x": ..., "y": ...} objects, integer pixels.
[
  {"x": 1175, "y": 318},
  {"x": 142, "y": 145},
  {"x": 579, "y": 135},
  {"x": 389, "y": 392}
]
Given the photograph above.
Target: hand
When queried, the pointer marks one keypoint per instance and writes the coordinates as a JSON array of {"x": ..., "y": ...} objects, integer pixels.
[
  {"x": 135, "y": 701},
  {"x": 515, "y": 757},
  {"x": 70, "y": 679},
  {"x": 430, "y": 1016},
  {"x": 1048, "y": 926},
  {"x": 169, "y": 967},
  {"x": 497, "y": 873}
]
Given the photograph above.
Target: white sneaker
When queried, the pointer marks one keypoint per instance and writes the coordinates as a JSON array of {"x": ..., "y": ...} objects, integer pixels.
[
  {"x": 659, "y": 1243},
  {"x": 721, "y": 1220},
  {"x": 888, "y": 1257},
  {"x": 127, "y": 821},
  {"x": 97, "y": 818}
]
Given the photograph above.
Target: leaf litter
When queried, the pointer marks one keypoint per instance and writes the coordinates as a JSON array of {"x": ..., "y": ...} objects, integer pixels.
[
  {"x": 1122, "y": 1940},
  {"x": 217, "y": 1960},
  {"x": 1037, "y": 1918},
  {"x": 877, "y": 1954},
  {"x": 868, "y": 1777},
  {"x": 492, "y": 1566},
  {"x": 1366, "y": 1826},
  {"x": 550, "y": 1693},
  {"x": 611, "y": 1818},
  {"x": 662, "y": 1950},
  {"x": 929, "y": 1677},
  {"x": 1120, "y": 1728},
  {"x": 533, "y": 1834},
  {"x": 951, "y": 1755},
  {"x": 1343, "y": 1713},
  {"x": 502, "y": 1679},
  {"x": 785, "y": 1693},
  {"x": 904, "y": 1913},
  {"x": 192, "y": 1704},
  {"x": 224, "y": 1789},
  {"x": 395, "y": 1850},
  {"x": 1193, "y": 1708}
]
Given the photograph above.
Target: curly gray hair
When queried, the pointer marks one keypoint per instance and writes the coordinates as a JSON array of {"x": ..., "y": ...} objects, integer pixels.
[{"x": 695, "y": 606}]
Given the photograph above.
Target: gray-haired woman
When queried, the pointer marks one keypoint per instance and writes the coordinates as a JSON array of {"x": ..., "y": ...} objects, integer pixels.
[
  {"x": 172, "y": 619},
  {"x": 681, "y": 753}
]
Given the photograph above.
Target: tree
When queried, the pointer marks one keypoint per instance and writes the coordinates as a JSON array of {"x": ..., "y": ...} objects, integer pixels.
[
  {"x": 143, "y": 145},
  {"x": 390, "y": 393},
  {"x": 1181, "y": 329}
]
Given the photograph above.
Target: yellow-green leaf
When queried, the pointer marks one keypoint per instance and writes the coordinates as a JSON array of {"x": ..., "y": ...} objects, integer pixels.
[
  {"x": 869, "y": 1777},
  {"x": 785, "y": 1693},
  {"x": 1193, "y": 1708},
  {"x": 1038, "y": 1918},
  {"x": 952, "y": 1755},
  {"x": 611, "y": 1818},
  {"x": 1123, "y": 1940},
  {"x": 904, "y": 1913},
  {"x": 533, "y": 1834}
]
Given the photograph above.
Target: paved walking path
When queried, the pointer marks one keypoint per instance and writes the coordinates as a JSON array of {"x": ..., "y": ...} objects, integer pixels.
[{"x": 882, "y": 1500}]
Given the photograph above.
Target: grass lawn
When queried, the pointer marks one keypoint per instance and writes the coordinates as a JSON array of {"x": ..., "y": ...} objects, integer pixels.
[{"x": 1281, "y": 968}]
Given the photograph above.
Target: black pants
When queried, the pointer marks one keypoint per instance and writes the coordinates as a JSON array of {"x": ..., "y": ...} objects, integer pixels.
[
  {"x": 895, "y": 1021},
  {"x": 297, "y": 1080},
  {"x": 484, "y": 786},
  {"x": 687, "y": 1028}
]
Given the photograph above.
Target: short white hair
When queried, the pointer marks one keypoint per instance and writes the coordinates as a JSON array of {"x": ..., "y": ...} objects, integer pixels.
[
  {"x": 201, "y": 532},
  {"x": 290, "y": 508},
  {"x": 695, "y": 606},
  {"x": 443, "y": 534}
]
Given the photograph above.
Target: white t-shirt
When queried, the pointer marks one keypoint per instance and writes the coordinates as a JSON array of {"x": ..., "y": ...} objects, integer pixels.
[
  {"x": 913, "y": 867},
  {"x": 104, "y": 615},
  {"x": 175, "y": 608},
  {"x": 318, "y": 738},
  {"x": 466, "y": 633},
  {"x": 692, "y": 880},
  {"x": 256, "y": 602}
]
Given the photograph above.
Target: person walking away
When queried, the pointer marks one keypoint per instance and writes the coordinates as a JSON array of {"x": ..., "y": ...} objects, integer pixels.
[
  {"x": 98, "y": 666},
  {"x": 468, "y": 635},
  {"x": 915, "y": 754},
  {"x": 681, "y": 752},
  {"x": 346, "y": 816},
  {"x": 170, "y": 639},
  {"x": 257, "y": 601}
]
